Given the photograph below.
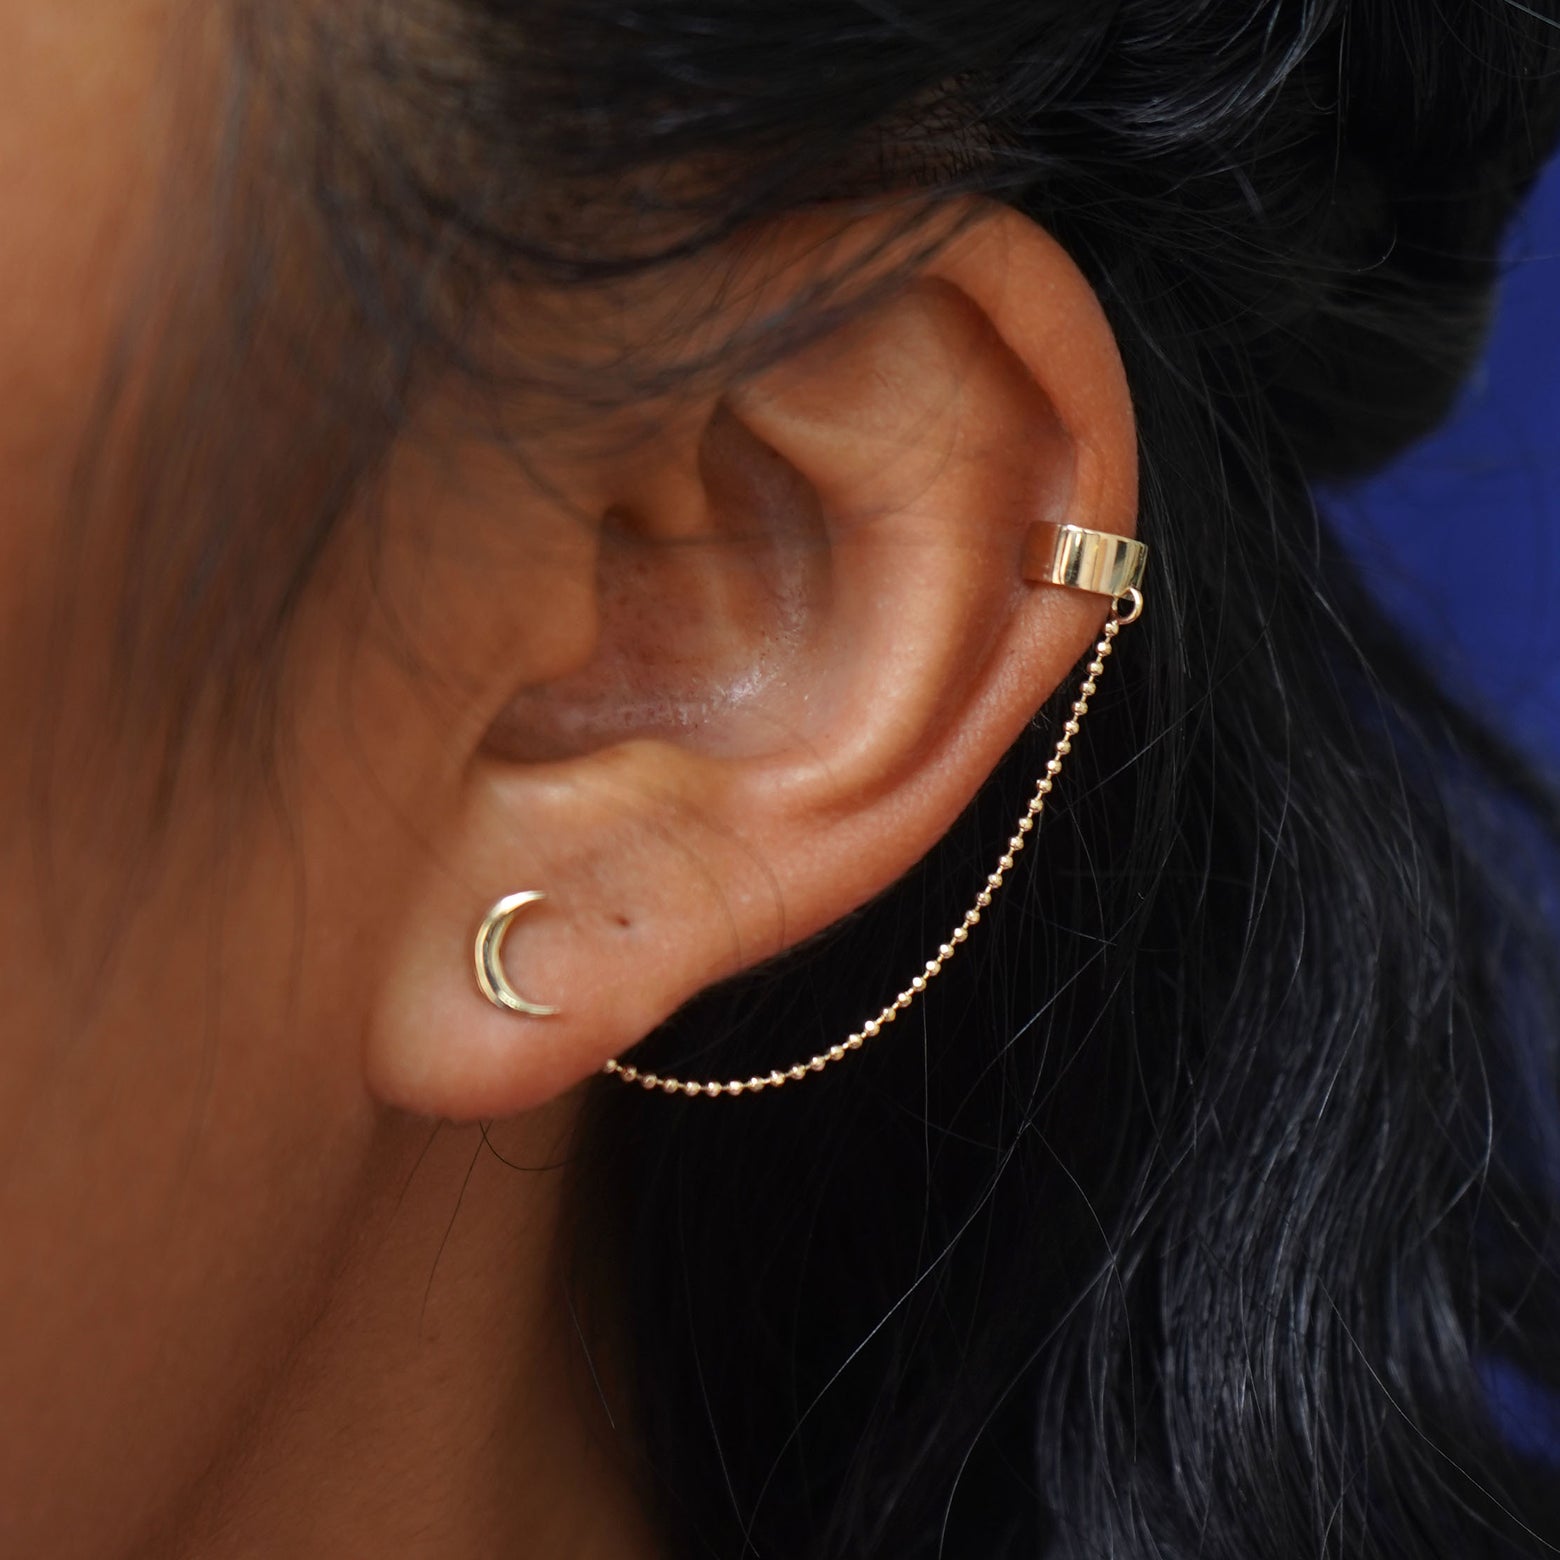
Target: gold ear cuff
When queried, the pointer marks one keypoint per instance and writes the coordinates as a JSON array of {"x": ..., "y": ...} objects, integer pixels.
[
  {"x": 1097, "y": 561},
  {"x": 1100, "y": 562}
]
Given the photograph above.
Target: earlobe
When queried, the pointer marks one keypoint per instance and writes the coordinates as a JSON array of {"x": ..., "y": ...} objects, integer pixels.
[{"x": 800, "y": 678}]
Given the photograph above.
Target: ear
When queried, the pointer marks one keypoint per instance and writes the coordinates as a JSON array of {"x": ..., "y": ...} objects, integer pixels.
[{"x": 798, "y": 639}]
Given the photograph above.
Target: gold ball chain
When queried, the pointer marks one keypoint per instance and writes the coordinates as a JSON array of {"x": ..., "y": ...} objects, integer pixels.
[{"x": 629, "y": 1073}]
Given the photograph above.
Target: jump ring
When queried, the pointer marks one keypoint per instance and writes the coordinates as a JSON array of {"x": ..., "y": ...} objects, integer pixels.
[{"x": 1135, "y": 596}]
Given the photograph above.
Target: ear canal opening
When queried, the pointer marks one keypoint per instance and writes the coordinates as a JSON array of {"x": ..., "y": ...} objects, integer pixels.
[{"x": 705, "y": 614}]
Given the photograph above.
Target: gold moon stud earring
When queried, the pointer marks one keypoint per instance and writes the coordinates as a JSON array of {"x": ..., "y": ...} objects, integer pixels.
[{"x": 492, "y": 981}]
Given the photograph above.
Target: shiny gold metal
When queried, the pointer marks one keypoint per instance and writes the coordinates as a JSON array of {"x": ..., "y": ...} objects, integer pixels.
[
  {"x": 1098, "y": 561},
  {"x": 1067, "y": 556},
  {"x": 489, "y": 953}
]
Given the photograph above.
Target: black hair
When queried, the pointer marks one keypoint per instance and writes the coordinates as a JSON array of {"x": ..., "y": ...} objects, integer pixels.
[{"x": 1193, "y": 1211}]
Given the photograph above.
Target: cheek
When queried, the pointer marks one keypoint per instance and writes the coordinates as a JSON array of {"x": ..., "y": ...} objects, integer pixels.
[
  {"x": 82, "y": 150},
  {"x": 84, "y": 107},
  {"x": 182, "y": 1124},
  {"x": 183, "y": 1129}
]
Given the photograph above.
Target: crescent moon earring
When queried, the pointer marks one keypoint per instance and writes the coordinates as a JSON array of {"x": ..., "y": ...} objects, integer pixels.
[{"x": 489, "y": 951}]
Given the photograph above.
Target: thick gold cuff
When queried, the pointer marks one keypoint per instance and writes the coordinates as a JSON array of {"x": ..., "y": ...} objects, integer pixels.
[{"x": 1098, "y": 561}]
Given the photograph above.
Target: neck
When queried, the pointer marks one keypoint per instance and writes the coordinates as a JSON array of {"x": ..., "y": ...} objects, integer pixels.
[{"x": 441, "y": 1403}]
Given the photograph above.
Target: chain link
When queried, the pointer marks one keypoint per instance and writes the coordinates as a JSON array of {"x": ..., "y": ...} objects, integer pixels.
[{"x": 657, "y": 1083}]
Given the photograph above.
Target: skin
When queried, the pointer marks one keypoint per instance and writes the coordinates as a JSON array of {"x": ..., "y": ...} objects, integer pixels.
[{"x": 266, "y": 1287}]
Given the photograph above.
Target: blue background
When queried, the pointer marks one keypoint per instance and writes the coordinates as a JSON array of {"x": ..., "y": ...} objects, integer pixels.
[{"x": 1461, "y": 539}]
